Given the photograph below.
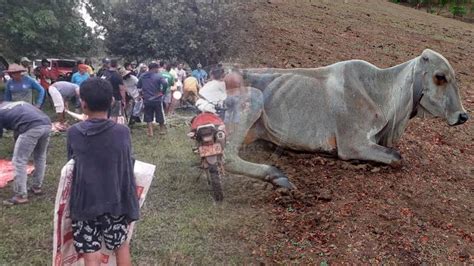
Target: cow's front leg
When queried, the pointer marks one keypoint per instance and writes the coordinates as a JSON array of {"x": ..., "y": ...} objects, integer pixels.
[
  {"x": 237, "y": 165},
  {"x": 370, "y": 152}
]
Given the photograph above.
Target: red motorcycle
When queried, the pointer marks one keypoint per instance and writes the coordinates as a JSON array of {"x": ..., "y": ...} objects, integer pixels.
[{"x": 208, "y": 130}]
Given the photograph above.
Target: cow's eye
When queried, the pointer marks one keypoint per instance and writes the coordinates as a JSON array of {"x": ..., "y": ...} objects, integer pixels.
[{"x": 440, "y": 79}]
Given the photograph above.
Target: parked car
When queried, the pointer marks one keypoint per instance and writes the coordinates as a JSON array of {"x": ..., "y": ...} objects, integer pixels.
[{"x": 63, "y": 67}]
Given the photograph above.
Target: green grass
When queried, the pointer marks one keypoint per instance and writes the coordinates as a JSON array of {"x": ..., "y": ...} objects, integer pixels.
[{"x": 179, "y": 222}]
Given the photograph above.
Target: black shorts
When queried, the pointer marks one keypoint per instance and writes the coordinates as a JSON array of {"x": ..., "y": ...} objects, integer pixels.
[
  {"x": 88, "y": 235},
  {"x": 154, "y": 110}
]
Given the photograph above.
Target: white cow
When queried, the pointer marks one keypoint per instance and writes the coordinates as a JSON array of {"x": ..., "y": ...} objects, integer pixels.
[{"x": 351, "y": 109}]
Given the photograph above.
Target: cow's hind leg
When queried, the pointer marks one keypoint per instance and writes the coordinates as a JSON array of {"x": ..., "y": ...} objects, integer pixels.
[{"x": 237, "y": 165}]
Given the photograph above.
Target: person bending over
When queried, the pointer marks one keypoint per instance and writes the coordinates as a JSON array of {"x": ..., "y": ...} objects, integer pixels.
[
  {"x": 32, "y": 128},
  {"x": 63, "y": 92}
]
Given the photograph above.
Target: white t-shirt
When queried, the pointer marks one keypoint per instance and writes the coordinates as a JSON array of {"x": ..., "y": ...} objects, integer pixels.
[
  {"x": 174, "y": 73},
  {"x": 131, "y": 86},
  {"x": 181, "y": 75},
  {"x": 214, "y": 92}
]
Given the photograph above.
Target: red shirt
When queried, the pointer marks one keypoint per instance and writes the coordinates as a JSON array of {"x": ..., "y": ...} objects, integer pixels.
[{"x": 45, "y": 73}]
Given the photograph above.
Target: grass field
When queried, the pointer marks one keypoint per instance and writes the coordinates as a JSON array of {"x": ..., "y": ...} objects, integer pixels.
[{"x": 179, "y": 222}]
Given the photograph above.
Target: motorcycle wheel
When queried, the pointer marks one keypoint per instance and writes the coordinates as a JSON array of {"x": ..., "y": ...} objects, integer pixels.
[{"x": 215, "y": 180}]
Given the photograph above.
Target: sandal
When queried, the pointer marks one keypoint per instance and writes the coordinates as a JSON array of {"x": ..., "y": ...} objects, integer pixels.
[
  {"x": 36, "y": 191},
  {"x": 15, "y": 200}
]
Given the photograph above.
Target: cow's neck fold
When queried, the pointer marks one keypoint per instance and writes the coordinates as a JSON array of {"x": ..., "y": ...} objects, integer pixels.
[
  {"x": 396, "y": 103},
  {"x": 417, "y": 89}
]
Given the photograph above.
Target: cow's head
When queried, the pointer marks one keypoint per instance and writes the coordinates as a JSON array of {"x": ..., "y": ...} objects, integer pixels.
[{"x": 441, "y": 94}]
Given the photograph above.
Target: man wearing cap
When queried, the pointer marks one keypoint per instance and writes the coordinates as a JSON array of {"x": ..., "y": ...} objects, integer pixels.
[
  {"x": 81, "y": 75},
  {"x": 152, "y": 84},
  {"x": 200, "y": 74},
  {"x": 20, "y": 87},
  {"x": 105, "y": 67},
  {"x": 118, "y": 91},
  {"x": 32, "y": 127},
  {"x": 26, "y": 63}
]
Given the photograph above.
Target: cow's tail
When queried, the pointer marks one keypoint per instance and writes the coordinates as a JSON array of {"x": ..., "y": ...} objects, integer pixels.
[{"x": 259, "y": 80}]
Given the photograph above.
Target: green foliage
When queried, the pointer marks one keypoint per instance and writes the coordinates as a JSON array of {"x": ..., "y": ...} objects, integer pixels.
[
  {"x": 455, "y": 7},
  {"x": 43, "y": 28},
  {"x": 193, "y": 30},
  {"x": 458, "y": 10}
]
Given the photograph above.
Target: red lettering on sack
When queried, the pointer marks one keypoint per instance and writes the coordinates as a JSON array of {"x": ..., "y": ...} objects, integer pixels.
[
  {"x": 140, "y": 191},
  {"x": 67, "y": 237},
  {"x": 71, "y": 259},
  {"x": 67, "y": 188},
  {"x": 57, "y": 260}
]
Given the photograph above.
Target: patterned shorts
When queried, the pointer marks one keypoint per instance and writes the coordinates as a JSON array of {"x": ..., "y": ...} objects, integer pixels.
[{"x": 88, "y": 235}]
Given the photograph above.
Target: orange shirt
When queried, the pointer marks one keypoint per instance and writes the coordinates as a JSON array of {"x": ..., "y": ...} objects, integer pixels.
[{"x": 191, "y": 85}]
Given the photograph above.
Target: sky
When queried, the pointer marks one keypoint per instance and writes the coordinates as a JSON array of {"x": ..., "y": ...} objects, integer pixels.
[{"x": 86, "y": 17}]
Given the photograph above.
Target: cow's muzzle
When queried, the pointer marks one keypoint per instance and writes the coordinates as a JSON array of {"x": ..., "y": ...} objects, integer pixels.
[{"x": 463, "y": 117}]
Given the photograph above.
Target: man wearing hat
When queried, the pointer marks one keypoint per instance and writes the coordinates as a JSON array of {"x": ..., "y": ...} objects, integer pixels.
[
  {"x": 130, "y": 82},
  {"x": 26, "y": 63},
  {"x": 81, "y": 75},
  {"x": 20, "y": 87}
]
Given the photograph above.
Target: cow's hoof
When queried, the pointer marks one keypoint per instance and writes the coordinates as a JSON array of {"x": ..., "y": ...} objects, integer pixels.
[
  {"x": 282, "y": 181},
  {"x": 397, "y": 164}
]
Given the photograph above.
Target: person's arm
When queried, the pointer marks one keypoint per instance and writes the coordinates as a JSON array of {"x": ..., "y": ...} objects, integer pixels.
[
  {"x": 122, "y": 92},
  {"x": 41, "y": 92},
  {"x": 164, "y": 85},
  {"x": 8, "y": 93}
]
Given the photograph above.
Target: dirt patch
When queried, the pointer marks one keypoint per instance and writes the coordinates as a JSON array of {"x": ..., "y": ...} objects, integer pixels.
[{"x": 361, "y": 212}]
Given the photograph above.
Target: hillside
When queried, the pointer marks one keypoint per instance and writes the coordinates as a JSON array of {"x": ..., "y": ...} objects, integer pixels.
[{"x": 366, "y": 213}]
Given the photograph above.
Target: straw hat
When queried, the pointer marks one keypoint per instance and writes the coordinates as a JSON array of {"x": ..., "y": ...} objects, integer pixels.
[
  {"x": 15, "y": 68},
  {"x": 25, "y": 59}
]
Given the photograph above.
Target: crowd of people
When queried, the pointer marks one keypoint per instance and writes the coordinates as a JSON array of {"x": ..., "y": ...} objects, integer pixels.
[{"x": 102, "y": 96}]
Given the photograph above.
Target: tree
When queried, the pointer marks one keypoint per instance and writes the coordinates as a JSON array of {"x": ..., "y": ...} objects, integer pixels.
[
  {"x": 458, "y": 8},
  {"x": 193, "y": 31},
  {"x": 43, "y": 28}
]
